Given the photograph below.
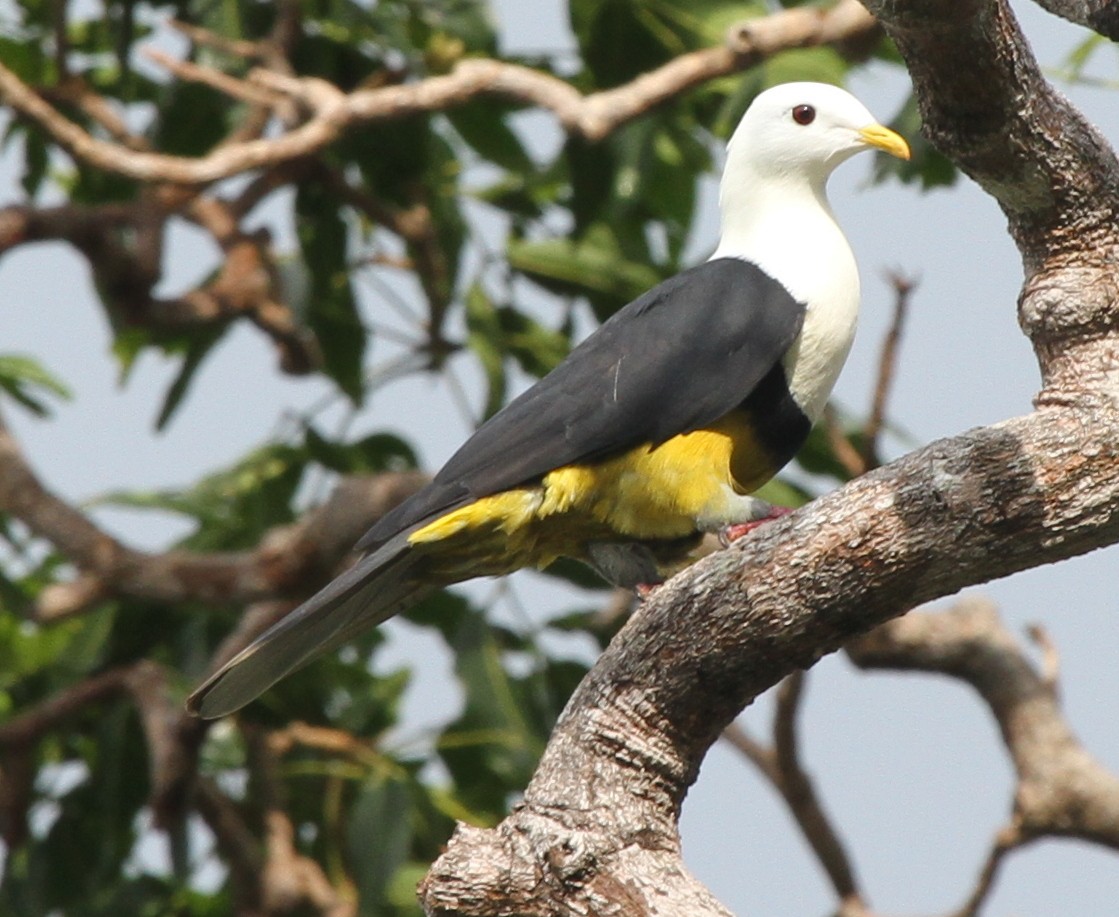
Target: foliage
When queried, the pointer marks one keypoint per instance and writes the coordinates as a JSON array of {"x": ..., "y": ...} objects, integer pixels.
[{"x": 78, "y": 805}]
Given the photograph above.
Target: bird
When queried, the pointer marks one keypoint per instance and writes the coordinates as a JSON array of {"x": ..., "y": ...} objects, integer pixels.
[{"x": 655, "y": 430}]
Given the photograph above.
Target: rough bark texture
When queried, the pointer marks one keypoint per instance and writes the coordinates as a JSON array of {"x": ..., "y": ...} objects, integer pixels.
[{"x": 596, "y": 833}]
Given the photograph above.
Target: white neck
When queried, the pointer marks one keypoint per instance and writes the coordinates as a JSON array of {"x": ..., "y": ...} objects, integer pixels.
[{"x": 784, "y": 225}]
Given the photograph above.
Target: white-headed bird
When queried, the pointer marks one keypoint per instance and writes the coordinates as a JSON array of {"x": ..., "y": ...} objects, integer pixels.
[{"x": 654, "y": 430}]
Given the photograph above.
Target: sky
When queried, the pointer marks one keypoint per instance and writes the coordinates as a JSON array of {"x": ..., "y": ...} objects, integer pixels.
[{"x": 910, "y": 766}]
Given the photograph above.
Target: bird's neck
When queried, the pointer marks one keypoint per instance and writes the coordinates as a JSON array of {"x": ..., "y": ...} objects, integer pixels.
[{"x": 786, "y": 227}]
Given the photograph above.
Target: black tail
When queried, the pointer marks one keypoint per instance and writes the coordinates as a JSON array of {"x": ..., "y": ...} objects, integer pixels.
[{"x": 373, "y": 590}]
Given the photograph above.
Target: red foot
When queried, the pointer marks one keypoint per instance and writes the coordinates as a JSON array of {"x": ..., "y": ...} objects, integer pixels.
[
  {"x": 742, "y": 529},
  {"x": 645, "y": 590}
]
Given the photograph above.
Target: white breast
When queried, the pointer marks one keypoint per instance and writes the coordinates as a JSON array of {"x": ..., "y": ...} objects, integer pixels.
[{"x": 800, "y": 245}]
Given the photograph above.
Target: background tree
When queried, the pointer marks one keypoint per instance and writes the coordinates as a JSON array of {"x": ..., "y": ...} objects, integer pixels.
[{"x": 373, "y": 181}]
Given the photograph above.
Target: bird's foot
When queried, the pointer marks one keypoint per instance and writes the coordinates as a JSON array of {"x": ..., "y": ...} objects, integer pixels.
[
  {"x": 644, "y": 591},
  {"x": 732, "y": 533}
]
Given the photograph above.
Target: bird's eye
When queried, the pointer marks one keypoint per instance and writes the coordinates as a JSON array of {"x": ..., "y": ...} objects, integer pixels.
[{"x": 804, "y": 114}]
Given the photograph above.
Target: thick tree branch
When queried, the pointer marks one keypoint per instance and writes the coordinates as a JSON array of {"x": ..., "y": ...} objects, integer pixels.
[
  {"x": 333, "y": 112},
  {"x": 1100, "y": 16},
  {"x": 985, "y": 104},
  {"x": 1062, "y": 790},
  {"x": 290, "y": 560},
  {"x": 604, "y": 801}
]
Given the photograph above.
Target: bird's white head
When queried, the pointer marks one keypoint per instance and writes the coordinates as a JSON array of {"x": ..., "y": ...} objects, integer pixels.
[
  {"x": 774, "y": 209},
  {"x": 802, "y": 131}
]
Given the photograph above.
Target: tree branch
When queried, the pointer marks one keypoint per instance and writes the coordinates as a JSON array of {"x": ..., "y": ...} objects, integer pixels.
[
  {"x": 781, "y": 765},
  {"x": 1100, "y": 16},
  {"x": 289, "y": 881},
  {"x": 604, "y": 801},
  {"x": 334, "y": 112},
  {"x": 289, "y": 561},
  {"x": 1062, "y": 790},
  {"x": 887, "y": 363},
  {"x": 985, "y": 104},
  {"x": 601, "y": 810}
]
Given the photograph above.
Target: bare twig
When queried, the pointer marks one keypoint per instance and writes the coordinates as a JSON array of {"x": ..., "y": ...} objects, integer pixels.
[
  {"x": 252, "y": 50},
  {"x": 238, "y": 845},
  {"x": 289, "y": 881},
  {"x": 1007, "y": 840},
  {"x": 841, "y": 446},
  {"x": 1050, "y": 657},
  {"x": 322, "y": 738},
  {"x": 782, "y": 767},
  {"x": 29, "y": 726},
  {"x": 172, "y": 738},
  {"x": 761, "y": 756},
  {"x": 887, "y": 362},
  {"x": 241, "y": 90},
  {"x": 800, "y": 793}
]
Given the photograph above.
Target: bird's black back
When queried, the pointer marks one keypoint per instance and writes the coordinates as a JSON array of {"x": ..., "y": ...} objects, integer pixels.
[{"x": 679, "y": 357}]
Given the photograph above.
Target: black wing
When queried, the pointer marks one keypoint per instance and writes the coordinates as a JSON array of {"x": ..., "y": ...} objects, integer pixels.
[{"x": 681, "y": 356}]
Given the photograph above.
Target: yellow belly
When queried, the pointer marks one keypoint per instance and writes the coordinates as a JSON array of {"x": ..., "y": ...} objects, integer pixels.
[{"x": 645, "y": 494}]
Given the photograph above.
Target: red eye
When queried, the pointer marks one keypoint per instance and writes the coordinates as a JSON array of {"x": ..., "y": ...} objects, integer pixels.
[{"x": 804, "y": 114}]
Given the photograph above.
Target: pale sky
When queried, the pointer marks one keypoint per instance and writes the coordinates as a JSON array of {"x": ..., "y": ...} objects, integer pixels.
[{"x": 911, "y": 766}]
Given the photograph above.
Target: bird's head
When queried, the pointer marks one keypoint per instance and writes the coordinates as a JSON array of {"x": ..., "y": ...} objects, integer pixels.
[{"x": 802, "y": 131}]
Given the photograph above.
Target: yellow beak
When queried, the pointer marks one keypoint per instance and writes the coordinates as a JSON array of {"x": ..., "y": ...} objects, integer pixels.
[{"x": 885, "y": 139}]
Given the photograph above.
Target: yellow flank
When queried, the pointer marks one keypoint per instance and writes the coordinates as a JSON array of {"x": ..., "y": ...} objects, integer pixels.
[{"x": 652, "y": 494}]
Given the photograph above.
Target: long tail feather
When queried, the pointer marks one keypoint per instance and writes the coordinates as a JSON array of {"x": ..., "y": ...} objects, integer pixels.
[{"x": 373, "y": 590}]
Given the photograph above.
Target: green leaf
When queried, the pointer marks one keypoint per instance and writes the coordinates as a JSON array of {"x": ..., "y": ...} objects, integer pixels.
[
  {"x": 374, "y": 453},
  {"x": 379, "y": 835},
  {"x": 191, "y": 119},
  {"x": 402, "y": 889},
  {"x": 332, "y": 313},
  {"x": 496, "y": 333},
  {"x": 926, "y": 166},
  {"x": 603, "y": 27},
  {"x": 197, "y": 349},
  {"x": 483, "y": 337},
  {"x": 780, "y": 492},
  {"x": 60, "y": 652},
  {"x": 86, "y": 846},
  {"x": 538, "y": 349},
  {"x": 587, "y": 266},
  {"x": 128, "y": 344},
  {"x": 26, "y": 58},
  {"x": 233, "y": 507},
  {"x": 482, "y": 125},
  {"x": 821, "y": 65},
  {"x": 28, "y": 383},
  {"x": 496, "y": 742},
  {"x": 36, "y": 162},
  {"x": 1080, "y": 56}
]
